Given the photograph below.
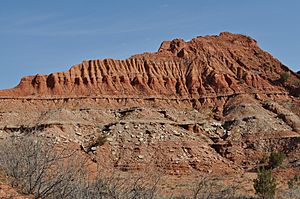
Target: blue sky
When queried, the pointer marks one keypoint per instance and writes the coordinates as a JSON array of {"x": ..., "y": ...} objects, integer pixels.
[{"x": 40, "y": 37}]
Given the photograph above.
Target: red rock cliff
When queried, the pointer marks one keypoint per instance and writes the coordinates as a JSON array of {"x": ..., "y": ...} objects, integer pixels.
[{"x": 205, "y": 66}]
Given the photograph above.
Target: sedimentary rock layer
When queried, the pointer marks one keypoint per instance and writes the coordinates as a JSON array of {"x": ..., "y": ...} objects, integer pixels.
[{"x": 203, "y": 67}]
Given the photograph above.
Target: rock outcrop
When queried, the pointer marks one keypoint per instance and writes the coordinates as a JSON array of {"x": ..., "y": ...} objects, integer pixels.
[
  {"x": 215, "y": 105},
  {"x": 203, "y": 67}
]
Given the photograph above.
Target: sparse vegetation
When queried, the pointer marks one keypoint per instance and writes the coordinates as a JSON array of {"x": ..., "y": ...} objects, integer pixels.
[
  {"x": 276, "y": 159},
  {"x": 265, "y": 184},
  {"x": 284, "y": 76},
  {"x": 210, "y": 188},
  {"x": 36, "y": 168},
  {"x": 114, "y": 188}
]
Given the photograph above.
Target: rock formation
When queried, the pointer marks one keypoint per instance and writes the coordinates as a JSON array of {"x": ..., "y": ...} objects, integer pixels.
[
  {"x": 215, "y": 104},
  {"x": 205, "y": 66}
]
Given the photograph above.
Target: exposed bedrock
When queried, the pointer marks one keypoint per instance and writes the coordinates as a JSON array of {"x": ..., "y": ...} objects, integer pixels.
[{"x": 203, "y": 67}]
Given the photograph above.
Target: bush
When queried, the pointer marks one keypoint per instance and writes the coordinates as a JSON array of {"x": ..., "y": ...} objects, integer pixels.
[
  {"x": 37, "y": 168},
  {"x": 209, "y": 188},
  {"x": 284, "y": 77},
  {"x": 265, "y": 184},
  {"x": 276, "y": 159},
  {"x": 114, "y": 188}
]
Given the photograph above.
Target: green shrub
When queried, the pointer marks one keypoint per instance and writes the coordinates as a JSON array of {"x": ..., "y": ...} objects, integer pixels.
[
  {"x": 284, "y": 77},
  {"x": 265, "y": 184},
  {"x": 264, "y": 160},
  {"x": 276, "y": 159}
]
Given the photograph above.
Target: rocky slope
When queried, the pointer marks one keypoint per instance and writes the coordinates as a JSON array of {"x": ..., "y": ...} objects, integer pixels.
[
  {"x": 215, "y": 104},
  {"x": 203, "y": 67}
]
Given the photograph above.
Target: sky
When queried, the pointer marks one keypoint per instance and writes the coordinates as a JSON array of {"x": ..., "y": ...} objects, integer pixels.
[{"x": 41, "y": 37}]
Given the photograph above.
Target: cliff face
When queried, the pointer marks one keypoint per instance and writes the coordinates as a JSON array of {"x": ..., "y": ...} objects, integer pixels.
[{"x": 205, "y": 66}]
